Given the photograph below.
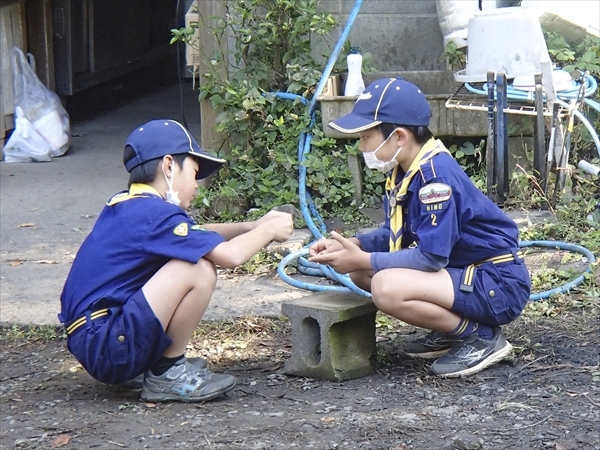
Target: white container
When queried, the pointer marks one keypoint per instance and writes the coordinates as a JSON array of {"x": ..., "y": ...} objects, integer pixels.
[
  {"x": 508, "y": 40},
  {"x": 50, "y": 127},
  {"x": 355, "y": 84},
  {"x": 561, "y": 79}
]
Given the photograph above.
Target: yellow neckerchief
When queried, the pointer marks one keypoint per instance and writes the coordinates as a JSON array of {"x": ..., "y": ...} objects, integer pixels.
[
  {"x": 135, "y": 190},
  {"x": 397, "y": 194}
]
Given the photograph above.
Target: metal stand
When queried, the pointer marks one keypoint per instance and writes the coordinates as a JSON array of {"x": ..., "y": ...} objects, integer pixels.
[
  {"x": 539, "y": 150},
  {"x": 501, "y": 147},
  {"x": 497, "y": 140}
]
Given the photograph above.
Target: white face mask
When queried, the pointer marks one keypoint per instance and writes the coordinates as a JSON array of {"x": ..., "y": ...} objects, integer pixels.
[
  {"x": 373, "y": 163},
  {"x": 172, "y": 196}
]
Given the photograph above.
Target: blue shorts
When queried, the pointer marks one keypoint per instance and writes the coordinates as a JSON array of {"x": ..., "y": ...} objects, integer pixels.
[
  {"x": 121, "y": 345},
  {"x": 500, "y": 292}
]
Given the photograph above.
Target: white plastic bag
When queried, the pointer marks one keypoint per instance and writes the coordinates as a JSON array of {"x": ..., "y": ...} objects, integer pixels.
[
  {"x": 40, "y": 106},
  {"x": 25, "y": 143}
]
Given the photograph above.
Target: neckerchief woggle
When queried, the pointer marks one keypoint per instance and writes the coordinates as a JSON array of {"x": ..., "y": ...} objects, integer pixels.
[{"x": 397, "y": 194}]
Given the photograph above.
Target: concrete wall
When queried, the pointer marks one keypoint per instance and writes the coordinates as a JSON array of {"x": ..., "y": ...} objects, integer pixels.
[{"x": 399, "y": 34}]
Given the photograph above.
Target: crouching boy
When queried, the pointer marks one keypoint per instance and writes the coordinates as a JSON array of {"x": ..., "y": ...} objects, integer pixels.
[{"x": 144, "y": 276}]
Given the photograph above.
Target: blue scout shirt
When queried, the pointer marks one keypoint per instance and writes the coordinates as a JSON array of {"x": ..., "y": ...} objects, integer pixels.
[
  {"x": 136, "y": 233},
  {"x": 451, "y": 221}
]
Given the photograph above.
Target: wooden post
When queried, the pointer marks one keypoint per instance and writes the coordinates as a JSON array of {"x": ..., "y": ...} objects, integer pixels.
[
  {"x": 209, "y": 12},
  {"x": 39, "y": 39},
  {"x": 12, "y": 34}
]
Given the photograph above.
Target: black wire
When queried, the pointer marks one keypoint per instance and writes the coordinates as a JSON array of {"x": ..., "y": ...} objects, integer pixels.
[{"x": 179, "y": 75}]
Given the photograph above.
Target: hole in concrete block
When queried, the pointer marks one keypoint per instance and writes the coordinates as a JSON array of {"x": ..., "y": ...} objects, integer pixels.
[
  {"x": 353, "y": 339},
  {"x": 310, "y": 335}
]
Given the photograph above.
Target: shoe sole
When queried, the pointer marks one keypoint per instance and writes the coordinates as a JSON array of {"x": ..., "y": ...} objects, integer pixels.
[
  {"x": 429, "y": 355},
  {"x": 160, "y": 397},
  {"x": 489, "y": 361}
]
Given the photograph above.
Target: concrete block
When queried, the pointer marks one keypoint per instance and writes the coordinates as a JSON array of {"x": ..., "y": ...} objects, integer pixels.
[{"x": 333, "y": 336}]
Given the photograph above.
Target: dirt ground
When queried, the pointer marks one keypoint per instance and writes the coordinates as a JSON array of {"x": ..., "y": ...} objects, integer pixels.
[{"x": 548, "y": 397}]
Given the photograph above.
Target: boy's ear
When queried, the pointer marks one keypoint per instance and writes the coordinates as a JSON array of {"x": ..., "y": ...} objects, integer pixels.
[
  {"x": 168, "y": 164},
  {"x": 403, "y": 135}
]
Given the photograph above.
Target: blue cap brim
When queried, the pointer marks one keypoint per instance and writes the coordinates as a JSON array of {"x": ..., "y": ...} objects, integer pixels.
[
  {"x": 208, "y": 164},
  {"x": 353, "y": 123}
]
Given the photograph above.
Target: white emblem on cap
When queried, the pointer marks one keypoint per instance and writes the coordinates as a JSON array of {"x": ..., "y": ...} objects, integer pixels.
[{"x": 364, "y": 96}]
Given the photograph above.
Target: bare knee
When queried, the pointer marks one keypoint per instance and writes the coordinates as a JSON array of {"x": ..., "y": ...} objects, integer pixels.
[
  {"x": 205, "y": 274},
  {"x": 189, "y": 276},
  {"x": 386, "y": 292}
]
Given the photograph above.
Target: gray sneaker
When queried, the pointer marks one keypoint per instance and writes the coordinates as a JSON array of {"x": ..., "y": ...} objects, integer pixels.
[
  {"x": 185, "y": 383},
  {"x": 432, "y": 346},
  {"x": 138, "y": 382},
  {"x": 472, "y": 355}
]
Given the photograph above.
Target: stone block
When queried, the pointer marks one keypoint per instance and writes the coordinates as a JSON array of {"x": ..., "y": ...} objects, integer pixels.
[{"x": 333, "y": 336}]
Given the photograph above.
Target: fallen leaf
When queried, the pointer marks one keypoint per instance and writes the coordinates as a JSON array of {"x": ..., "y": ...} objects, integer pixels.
[
  {"x": 16, "y": 263},
  {"x": 327, "y": 419},
  {"x": 61, "y": 441},
  {"x": 26, "y": 224}
]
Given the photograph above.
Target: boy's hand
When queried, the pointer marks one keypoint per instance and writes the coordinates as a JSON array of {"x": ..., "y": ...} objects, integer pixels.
[
  {"x": 281, "y": 224},
  {"x": 323, "y": 246},
  {"x": 272, "y": 215},
  {"x": 343, "y": 255}
]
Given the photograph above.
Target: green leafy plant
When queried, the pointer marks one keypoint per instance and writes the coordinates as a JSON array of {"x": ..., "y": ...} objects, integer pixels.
[
  {"x": 470, "y": 158},
  {"x": 456, "y": 57},
  {"x": 272, "y": 53}
]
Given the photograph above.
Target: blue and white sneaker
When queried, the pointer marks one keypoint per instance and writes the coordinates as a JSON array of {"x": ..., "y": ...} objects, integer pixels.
[
  {"x": 472, "y": 355},
  {"x": 185, "y": 382},
  {"x": 432, "y": 346},
  {"x": 138, "y": 382}
]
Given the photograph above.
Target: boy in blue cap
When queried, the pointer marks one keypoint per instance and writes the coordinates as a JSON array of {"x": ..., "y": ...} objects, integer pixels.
[
  {"x": 143, "y": 278},
  {"x": 447, "y": 258}
]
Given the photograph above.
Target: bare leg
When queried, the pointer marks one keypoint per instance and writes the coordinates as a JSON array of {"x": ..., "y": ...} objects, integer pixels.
[
  {"x": 362, "y": 279},
  {"x": 419, "y": 298},
  {"x": 179, "y": 294}
]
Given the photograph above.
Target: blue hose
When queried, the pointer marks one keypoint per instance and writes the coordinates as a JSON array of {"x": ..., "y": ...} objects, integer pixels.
[
  {"x": 561, "y": 246},
  {"x": 315, "y": 222}
]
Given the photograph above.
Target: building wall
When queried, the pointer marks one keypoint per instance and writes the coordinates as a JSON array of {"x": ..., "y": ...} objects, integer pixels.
[{"x": 400, "y": 34}]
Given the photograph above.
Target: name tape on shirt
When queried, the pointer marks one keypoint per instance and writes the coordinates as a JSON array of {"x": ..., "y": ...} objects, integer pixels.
[{"x": 435, "y": 193}]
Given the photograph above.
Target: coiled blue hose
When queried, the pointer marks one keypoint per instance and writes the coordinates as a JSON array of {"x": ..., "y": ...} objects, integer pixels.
[
  {"x": 315, "y": 222},
  {"x": 561, "y": 246}
]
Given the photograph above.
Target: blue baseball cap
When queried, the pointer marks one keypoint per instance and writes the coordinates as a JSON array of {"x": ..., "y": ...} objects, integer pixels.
[
  {"x": 388, "y": 100},
  {"x": 158, "y": 138}
]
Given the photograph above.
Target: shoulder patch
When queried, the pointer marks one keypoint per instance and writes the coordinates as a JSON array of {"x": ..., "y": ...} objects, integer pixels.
[
  {"x": 181, "y": 229},
  {"x": 198, "y": 228},
  {"x": 435, "y": 193}
]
